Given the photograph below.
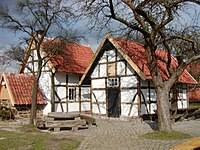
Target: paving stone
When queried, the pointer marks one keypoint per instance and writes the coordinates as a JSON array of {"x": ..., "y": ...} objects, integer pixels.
[{"x": 115, "y": 134}]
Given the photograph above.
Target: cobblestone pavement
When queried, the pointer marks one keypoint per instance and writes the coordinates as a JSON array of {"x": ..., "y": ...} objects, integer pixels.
[{"x": 113, "y": 134}]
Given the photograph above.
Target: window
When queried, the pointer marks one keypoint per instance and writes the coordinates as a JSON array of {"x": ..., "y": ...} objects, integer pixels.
[
  {"x": 72, "y": 93},
  {"x": 113, "y": 82}
]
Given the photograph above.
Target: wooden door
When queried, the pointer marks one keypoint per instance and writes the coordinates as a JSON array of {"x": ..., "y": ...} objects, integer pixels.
[{"x": 113, "y": 102}]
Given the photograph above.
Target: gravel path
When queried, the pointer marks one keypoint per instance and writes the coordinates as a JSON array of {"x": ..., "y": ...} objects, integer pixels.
[{"x": 125, "y": 135}]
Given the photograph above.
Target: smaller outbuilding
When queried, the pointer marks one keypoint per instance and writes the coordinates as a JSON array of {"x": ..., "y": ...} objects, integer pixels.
[
  {"x": 194, "y": 90},
  {"x": 16, "y": 92}
]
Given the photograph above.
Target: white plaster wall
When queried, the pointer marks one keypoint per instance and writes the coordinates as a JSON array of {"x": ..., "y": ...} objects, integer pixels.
[
  {"x": 99, "y": 95},
  {"x": 47, "y": 108},
  {"x": 73, "y": 106},
  {"x": 183, "y": 101},
  {"x": 125, "y": 108},
  {"x": 58, "y": 107},
  {"x": 85, "y": 93},
  {"x": 146, "y": 95},
  {"x": 73, "y": 79},
  {"x": 95, "y": 109},
  {"x": 127, "y": 95},
  {"x": 130, "y": 70},
  {"x": 77, "y": 93},
  {"x": 60, "y": 79},
  {"x": 98, "y": 83},
  {"x": 85, "y": 106},
  {"x": 61, "y": 91},
  {"x": 45, "y": 84},
  {"x": 143, "y": 108},
  {"x": 121, "y": 67},
  {"x": 95, "y": 73},
  {"x": 153, "y": 94},
  {"x": 29, "y": 65},
  {"x": 103, "y": 68},
  {"x": 35, "y": 54},
  {"x": 153, "y": 107},
  {"x": 119, "y": 56},
  {"x": 35, "y": 66},
  {"x": 45, "y": 68},
  {"x": 26, "y": 70},
  {"x": 103, "y": 58},
  {"x": 130, "y": 81},
  {"x": 111, "y": 55},
  {"x": 182, "y": 95}
]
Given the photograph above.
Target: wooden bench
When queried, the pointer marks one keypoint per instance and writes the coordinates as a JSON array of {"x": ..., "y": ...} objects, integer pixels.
[{"x": 192, "y": 144}]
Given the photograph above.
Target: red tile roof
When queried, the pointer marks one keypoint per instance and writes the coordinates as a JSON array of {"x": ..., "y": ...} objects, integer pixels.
[
  {"x": 74, "y": 59},
  {"x": 137, "y": 54},
  {"x": 21, "y": 86},
  {"x": 194, "y": 94}
]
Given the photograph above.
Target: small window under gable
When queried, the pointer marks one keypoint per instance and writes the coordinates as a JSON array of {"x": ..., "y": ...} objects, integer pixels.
[{"x": 113, "y": 82}]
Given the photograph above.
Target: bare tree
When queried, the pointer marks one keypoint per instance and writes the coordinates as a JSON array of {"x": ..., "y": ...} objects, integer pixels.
[
  {"x": 159, "y": 23},
  {"x": 37, "y": 19}
]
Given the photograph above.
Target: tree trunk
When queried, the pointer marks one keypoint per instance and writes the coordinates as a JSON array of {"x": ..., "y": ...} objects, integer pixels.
[
  {"x": 174, "y": 101},
  {"x": 162, "y": 96},
  {"x": 52, "y": 92},
  {"x": 34, "y": 101}
]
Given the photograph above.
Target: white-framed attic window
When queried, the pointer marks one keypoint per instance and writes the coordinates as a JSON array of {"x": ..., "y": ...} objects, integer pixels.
[{"x": 113, "y": 82}]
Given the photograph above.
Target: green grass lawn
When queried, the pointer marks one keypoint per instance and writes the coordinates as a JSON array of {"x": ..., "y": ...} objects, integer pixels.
[
  {"x": 194, "y": 105},
  {"x": 31, "y": 138},
  {"x": 161, "y": 135}
]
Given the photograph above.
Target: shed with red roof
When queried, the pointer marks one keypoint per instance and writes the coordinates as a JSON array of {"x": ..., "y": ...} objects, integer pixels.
[{"x": 16, "y": 92}]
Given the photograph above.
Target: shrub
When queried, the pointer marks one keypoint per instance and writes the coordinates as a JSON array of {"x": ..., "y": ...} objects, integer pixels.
[{"x": 5, "y": 113}]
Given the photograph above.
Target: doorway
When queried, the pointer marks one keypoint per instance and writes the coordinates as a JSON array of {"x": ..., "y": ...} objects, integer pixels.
[{"x": 113, "y": 98}]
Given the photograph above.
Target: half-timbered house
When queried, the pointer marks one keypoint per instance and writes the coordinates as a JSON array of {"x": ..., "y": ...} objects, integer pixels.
[
  {"x": 121, "y": 84},
  {"x": 61, "y": 74}
]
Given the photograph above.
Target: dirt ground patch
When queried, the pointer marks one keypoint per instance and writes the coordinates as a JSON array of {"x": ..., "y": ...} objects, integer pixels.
[{"x": 18, "y": 131}]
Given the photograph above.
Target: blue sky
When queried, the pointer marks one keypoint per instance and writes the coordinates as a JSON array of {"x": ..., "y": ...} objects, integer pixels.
[{"x": 8, "y": 37}]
